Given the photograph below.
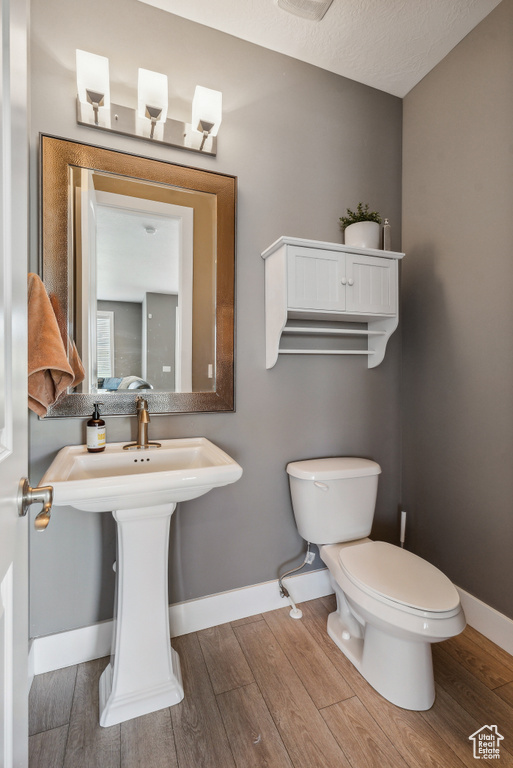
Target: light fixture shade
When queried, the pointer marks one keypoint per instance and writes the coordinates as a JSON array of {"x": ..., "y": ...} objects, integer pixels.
[
  {"x": 152, "y": 91},
  {"x": 93, "y": 76},
  {"x": 207, "y": 110}
]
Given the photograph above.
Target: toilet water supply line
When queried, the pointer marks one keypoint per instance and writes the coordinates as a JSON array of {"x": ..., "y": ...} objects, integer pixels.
[
  {"x": 402, "y": 534},
  {"x": 295, "y": 612}
]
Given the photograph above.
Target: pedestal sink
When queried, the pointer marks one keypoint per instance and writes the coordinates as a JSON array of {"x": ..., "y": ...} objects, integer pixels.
[{"x": 141, "y": 490}]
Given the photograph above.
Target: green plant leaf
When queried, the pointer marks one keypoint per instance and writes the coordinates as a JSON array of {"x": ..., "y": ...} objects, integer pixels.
[{"x": 362, "y": 213}]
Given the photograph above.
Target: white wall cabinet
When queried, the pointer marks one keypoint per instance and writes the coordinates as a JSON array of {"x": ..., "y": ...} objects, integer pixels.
[{"x": 326, "y": 290}]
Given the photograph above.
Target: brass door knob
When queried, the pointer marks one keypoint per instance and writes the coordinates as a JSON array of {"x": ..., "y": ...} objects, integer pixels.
[{"x": 40, "y": 495}]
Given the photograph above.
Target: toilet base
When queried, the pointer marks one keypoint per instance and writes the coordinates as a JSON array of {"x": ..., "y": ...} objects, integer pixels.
[{"x": 400, "y": 670}]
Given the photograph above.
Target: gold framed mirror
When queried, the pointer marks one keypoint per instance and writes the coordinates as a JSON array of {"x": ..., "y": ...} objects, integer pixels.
[{"x": 139, "y": 258}]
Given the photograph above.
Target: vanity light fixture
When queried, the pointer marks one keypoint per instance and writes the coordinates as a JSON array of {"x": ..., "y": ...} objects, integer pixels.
[{"x": 149, "y": 121}]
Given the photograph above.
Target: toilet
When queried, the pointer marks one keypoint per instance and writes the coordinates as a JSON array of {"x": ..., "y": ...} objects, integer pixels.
[{"x": 391, "y": 604}]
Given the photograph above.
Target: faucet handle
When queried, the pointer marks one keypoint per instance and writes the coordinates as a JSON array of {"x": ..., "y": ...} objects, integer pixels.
[{"x": 142, "y": 410}]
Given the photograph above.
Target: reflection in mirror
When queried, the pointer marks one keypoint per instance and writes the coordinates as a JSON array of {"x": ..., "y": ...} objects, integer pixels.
[
  {"x": 140, "y": 253},
  {"x": 135, "y": 257}
]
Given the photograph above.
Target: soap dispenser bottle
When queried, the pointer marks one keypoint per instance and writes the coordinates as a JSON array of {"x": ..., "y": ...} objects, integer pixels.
[{"x": 96, "y": 431}]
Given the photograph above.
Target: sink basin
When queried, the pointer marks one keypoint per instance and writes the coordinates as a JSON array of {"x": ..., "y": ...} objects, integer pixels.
[{"x": 115, "y": 479}]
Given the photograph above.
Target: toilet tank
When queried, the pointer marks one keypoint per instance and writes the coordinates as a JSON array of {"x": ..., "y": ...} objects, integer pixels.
[{"x": 333, "y": 499}]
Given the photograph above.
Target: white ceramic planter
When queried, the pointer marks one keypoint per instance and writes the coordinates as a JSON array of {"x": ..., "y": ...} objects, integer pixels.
[{"x": 362, "y": 234}]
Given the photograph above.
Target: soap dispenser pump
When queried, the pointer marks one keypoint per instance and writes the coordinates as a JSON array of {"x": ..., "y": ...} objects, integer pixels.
[{"x": 96, "y": 431}]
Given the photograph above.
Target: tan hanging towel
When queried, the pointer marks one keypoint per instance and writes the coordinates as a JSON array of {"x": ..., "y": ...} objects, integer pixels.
[
  {"x": 49, "y": 371},
  {"x": 73, "y": 356}
]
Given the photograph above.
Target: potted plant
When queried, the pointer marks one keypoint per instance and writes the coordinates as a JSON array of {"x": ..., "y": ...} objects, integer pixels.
[{"x": 361, "y": 227}]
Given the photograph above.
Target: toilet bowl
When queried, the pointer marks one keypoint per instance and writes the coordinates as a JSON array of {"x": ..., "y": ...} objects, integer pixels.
[
  {"x": 385, "y": 624},
  {"x": 391, "y": 604}
]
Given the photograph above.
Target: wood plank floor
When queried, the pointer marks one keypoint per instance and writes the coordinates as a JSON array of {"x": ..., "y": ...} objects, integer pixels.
[{"x": 272, "y": 692}]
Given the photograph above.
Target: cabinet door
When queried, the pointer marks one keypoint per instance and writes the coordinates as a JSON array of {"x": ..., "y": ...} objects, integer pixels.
[
  {"x": 371, "y": 285},
  {"x": 315, "y": 279}
]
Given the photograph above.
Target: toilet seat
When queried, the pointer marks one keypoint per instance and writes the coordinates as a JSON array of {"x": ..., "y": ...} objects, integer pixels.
[{"x": 399, "y": 578}]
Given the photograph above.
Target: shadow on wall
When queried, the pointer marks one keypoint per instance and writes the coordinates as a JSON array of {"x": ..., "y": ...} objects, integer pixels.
[
  {"x": 432, "y": 407},
  {"x": 107, "y": 594}
]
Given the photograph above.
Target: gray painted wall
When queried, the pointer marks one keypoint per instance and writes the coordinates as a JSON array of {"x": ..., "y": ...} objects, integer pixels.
[
  {"x": 305, "y": 144},
  {"x": 458, "y": 312},
  {"x": 161, "y": 339}
]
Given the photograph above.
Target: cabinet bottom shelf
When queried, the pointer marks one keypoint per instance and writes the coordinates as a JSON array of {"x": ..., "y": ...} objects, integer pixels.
[
  {"x": 322, "y": 331},
  {"x": 366, "y": 336},
  {"x": 326, "y": 352}
]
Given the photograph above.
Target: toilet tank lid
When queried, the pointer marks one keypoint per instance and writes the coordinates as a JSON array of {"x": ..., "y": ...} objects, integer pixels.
[{"x": 333, "y": 469}]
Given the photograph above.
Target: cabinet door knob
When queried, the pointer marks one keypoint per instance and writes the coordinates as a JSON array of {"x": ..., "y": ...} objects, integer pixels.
[
  {"x": 343, "y": 281},
  {"x": 351, "y": 281}
]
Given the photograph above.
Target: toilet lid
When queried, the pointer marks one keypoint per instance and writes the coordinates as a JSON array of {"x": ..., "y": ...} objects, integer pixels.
[
  {"x": 394, "y": 573},
  {"x": 335, "y": 468}
]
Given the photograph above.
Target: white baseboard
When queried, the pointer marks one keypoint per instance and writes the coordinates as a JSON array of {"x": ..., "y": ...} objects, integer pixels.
[
  {"x": 492, "y": 624},
  {"x": 78, "y": 645},
  {"x": 72, "y": 647}
]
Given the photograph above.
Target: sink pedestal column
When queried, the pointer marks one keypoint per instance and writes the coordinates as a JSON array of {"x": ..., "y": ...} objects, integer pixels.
[{"x": 144, "y": 672}]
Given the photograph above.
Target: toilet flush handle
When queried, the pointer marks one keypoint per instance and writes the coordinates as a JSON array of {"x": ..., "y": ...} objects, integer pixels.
[{"x": 322, "y": 486}]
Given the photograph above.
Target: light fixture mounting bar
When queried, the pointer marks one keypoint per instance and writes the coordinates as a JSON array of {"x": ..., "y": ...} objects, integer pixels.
[{"x": 176, "y": 134}]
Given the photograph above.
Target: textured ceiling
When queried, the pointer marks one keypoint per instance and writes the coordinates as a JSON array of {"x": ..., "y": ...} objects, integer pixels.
[{"x": 387, "y": 44}]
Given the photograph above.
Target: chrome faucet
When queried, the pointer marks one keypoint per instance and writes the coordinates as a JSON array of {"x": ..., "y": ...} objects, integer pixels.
[{"x": 143, "y": 419}]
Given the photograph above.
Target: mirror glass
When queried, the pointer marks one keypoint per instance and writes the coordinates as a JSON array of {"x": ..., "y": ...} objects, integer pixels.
[{"x": 139, "y": 255}]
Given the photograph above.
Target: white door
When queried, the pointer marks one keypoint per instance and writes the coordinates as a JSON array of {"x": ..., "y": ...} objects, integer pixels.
[{"x": 13, "y": 384}]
